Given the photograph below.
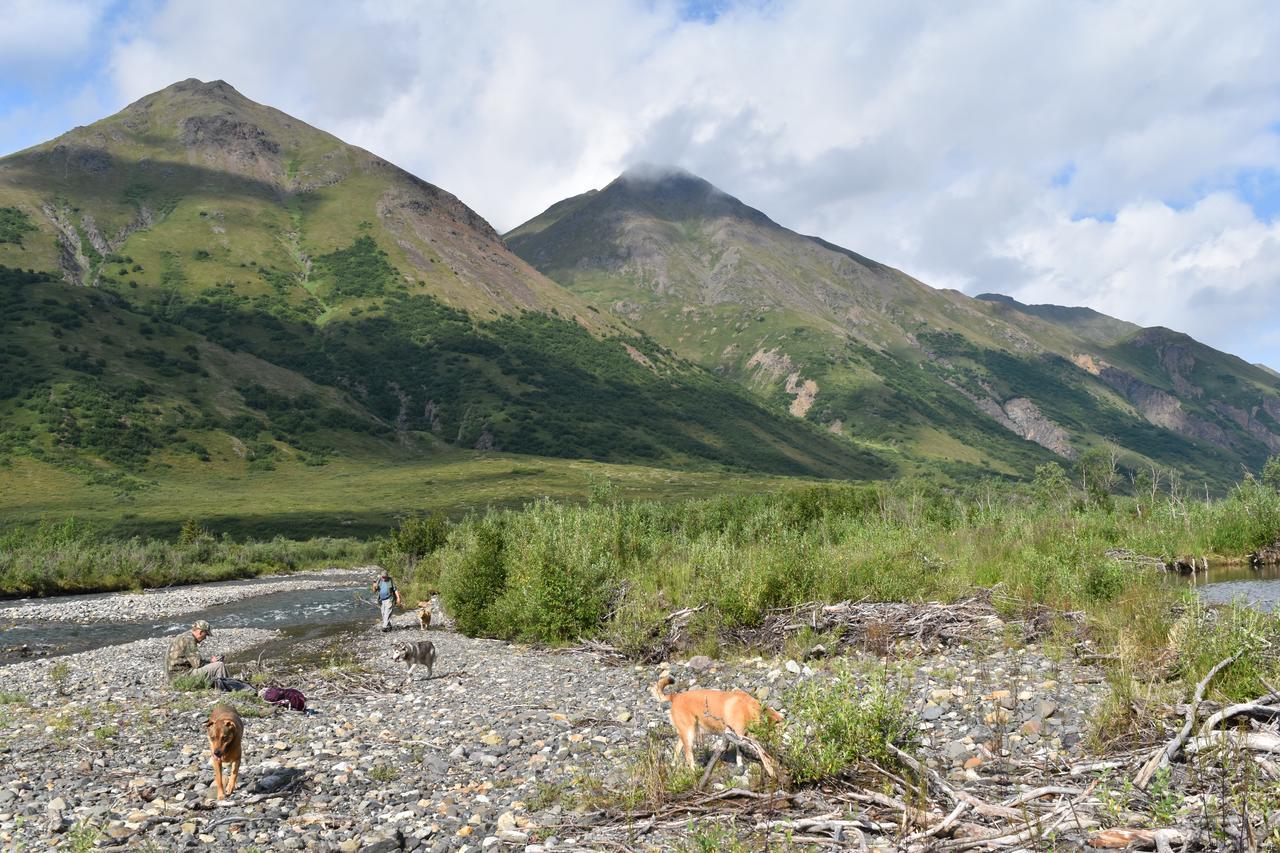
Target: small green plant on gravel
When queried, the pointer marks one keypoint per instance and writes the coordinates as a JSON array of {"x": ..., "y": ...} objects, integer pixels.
[
  {"x": 384, "y": 773},
  {"x": 1116, "y": 718},
  {"x": 105, "y": 733},
  {"x": 836, "y": 726},
  {"x": 711, "y": 837},
  {"x": 546, "y": 795},
  {"x": 82, "y": 837},
  {"x": 657, "y": 777},
  {"x": 343, "y": 661},
  {"x": 1114, "y": 799},
  {"x": 59, "y": 671},
  {"x": 250, "y": 707},
  {"x": 7, "y": 698},
  {"x": 1164, "y": 803},
  {"x": 190, "y": 683}
]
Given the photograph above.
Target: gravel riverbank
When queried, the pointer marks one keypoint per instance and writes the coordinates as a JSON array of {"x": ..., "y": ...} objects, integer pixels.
[
  {"x": 500, "y": 749},
  {"x": 171, "y": 601}
]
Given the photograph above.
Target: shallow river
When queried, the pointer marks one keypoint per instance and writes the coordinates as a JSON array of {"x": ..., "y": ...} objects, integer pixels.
[
  {"x": 1259, "y": 588},
  {"x": 301, "y": 614}
]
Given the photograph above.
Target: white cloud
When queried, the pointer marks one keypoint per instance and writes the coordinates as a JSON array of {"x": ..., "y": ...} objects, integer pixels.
[
  {"x": 38, "y": 36},
  {"x": 1211, "y": 267},
  {"x": 923, "y": 134}
]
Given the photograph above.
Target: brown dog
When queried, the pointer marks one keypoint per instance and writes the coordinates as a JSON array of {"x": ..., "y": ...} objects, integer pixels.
[
  {"x": 226, "y": 734},
  {"x": 424, "y": 614},
  {"x": 713, "y": 710}
]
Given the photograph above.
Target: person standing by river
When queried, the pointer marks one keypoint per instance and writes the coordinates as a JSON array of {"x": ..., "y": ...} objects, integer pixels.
[
  {"x": 385, "y": 587},
  {"x": 184, "y": 658}
]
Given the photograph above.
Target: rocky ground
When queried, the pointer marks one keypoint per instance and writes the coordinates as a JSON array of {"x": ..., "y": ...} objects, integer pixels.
[
  {"x": 160, "y": 603},
  {"x": 504, "y": 746}
]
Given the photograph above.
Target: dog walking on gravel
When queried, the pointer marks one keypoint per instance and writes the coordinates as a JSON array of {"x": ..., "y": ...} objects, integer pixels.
[{"x": 226, "y": 736}]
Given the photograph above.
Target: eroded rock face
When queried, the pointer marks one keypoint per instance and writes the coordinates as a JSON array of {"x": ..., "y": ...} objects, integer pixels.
[
  {"x": 227, "y": 132},
  {"x": 1162, "y": 408},
  {"x": 1022, "y": 416},
  {"x": 1166, "y": 410},
  {"x": 805, "y": 392},
  {"x": 1031, "y": 424}
]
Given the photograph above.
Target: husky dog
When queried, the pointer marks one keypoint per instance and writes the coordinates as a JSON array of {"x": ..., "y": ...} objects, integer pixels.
[{"x": 422, "y": 652}]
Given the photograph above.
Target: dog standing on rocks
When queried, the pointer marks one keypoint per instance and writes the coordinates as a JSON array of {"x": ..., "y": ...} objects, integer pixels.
[
  {"x": 424, "y": 614},
  {"x": 713, "y": 710},
  {"x": 422, "y": 653},
  {"x": 226, "y": 735}
]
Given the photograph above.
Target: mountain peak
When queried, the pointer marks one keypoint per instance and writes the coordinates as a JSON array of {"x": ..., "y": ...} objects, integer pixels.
[
  {"x": 193, "y": 89},
  {"x": 675, "y": 194},
  {"x": 648, "y": 174}
]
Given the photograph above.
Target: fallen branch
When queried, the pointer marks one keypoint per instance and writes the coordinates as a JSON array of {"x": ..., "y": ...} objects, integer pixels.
[
  {"x": 1161, "y": 757},
  {"x": 836, "y": 829},
  {"x": 934, "y": 778},
  {"x": 1035, "y": 829},
  {"x": 753, "y": 747},
  {"x": 1120, "y": 839},
  {"x": 711, "y": 765},
  {"x": 1257, "y": 706},
  {"x": 942, "y": 827},
  {"x": 1255, "y": 741}
]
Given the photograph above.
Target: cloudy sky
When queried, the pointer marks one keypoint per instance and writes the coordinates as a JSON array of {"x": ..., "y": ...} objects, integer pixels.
[{"x": 1120, "y": 155}]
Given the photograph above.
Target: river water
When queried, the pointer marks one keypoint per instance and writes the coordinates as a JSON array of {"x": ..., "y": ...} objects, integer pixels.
[
  {"x": 300, "y": 614},
  {"x": 1258, "y": 588}
]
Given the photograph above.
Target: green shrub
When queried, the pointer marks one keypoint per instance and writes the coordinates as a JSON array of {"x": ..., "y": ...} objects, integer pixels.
[
  {"x": 1247, "y": 520},
  {"x": 472, "y": 574},
  {"x": 559, "y": 579},
  {"x": 835, "y": 726},
  {"x": 14, "y": 223},
  {"x": 1204, "y": 636}
]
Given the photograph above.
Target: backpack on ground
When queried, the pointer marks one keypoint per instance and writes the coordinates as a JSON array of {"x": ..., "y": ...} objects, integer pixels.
[
  {"x": 229, "y": 685},
  {"x": 285, "y": 697}
]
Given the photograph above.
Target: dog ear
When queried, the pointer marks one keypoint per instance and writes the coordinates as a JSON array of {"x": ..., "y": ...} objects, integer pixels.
[
  {"x": 228, "y": 724},
  {"x": 208, "y": 723}
]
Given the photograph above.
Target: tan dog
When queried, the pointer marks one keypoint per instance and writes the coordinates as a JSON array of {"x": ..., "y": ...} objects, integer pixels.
[
  {"x": 226, "y": 733},
  {"x": 424, "y": 614},
  {"x": 713, "y": 710}
]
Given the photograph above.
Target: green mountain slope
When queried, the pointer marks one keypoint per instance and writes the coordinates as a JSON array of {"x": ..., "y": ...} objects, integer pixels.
[
  {"x": 947, "y": 381},
  {"x": 200, "y": 279}
]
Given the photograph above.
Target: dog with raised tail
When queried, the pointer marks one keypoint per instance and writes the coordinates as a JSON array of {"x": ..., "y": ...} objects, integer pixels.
[{"x": 713, "y": 710}]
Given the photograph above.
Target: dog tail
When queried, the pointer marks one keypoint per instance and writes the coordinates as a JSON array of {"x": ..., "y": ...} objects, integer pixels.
[{"x": 660, "y": 685}]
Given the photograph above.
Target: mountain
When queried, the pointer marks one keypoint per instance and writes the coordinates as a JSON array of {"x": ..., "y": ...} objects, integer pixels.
[
  {"x": 203, "y": 280},
  {"x": 945, "y": 381}
]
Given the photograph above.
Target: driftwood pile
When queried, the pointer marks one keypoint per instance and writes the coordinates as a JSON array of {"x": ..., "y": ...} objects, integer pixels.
[
  {"x": 877, "y": 625},
  {"x": 873, "y": 624},
  {"x": 1186, "y": 564},
  {"x": 1267, "y": 556}
]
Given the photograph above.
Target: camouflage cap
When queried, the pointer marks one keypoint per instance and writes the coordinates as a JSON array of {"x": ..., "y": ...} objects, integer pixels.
[{"x": 201, "y": 625}]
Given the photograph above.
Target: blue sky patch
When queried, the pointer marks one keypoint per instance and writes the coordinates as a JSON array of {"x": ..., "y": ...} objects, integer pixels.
[{"x": 1063, "y": 176}]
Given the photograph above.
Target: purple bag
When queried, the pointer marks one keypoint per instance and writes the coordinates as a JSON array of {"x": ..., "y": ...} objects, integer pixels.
[{"x": 283, "y": 696}]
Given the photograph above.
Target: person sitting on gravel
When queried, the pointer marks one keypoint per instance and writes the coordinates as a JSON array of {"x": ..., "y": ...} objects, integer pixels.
[
  {"x": 385, "y": 587},
  {"x": 184, "y": 659}
]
